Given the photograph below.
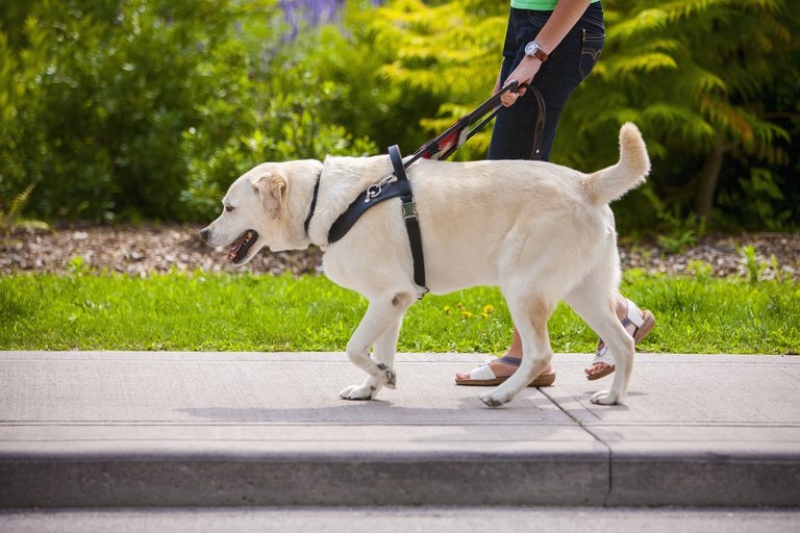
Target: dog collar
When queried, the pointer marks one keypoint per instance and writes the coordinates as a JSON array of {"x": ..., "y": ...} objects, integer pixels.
[{"x": 307, "y": 223}]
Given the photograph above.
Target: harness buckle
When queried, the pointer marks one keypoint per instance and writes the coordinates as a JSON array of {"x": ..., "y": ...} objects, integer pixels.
[{"x": 409, "y": 210}]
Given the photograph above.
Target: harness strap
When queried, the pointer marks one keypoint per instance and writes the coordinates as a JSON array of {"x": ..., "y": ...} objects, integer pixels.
[
  {"x": 367, "y": 199},
  {"x": 410, "y": 217}
]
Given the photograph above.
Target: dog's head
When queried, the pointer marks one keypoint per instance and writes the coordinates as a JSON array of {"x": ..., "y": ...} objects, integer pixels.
[{"x": 265, "y": 207}]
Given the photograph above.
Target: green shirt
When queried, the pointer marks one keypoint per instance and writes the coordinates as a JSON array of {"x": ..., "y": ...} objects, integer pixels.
[{"x": 537, "y": 5}]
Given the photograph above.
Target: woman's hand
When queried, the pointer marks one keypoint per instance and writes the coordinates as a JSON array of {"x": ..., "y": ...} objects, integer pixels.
[{"x": 523, "y": 75}]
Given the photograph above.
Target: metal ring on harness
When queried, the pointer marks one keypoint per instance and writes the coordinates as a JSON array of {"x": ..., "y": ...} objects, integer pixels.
[{"x": 372, "y": 192}]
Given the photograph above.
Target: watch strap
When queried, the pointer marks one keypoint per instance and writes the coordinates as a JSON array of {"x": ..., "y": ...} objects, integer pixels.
[{"x": 538, "y": 53}]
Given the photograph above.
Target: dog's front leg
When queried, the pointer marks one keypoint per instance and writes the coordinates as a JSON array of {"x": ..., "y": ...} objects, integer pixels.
[
  {"x": 384, "y": 352},
  {"x": 379, "y": 327}
]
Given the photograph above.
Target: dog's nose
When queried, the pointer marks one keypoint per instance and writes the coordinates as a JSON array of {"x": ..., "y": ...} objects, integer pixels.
[{"x": 204, "y": 234}]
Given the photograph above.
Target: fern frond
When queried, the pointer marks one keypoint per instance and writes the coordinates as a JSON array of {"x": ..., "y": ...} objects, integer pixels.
[
  {"x": 646, "y": 22},
  {"x": 643, "y": 64},
  {"x": 19, "y": 202}
]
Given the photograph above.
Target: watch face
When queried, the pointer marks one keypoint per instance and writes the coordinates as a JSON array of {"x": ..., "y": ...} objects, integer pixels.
[{"x": 531, "y": 48}]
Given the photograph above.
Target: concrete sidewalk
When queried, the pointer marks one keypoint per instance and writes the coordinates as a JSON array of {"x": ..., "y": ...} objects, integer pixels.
[{"x": 82, "y": 429}]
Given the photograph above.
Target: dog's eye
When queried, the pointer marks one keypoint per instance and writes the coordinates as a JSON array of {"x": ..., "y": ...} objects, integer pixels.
[{"x": 228, "y": 208}]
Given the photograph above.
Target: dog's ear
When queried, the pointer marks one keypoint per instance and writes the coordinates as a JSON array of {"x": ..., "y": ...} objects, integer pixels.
[{"x": 272, "y": 189}]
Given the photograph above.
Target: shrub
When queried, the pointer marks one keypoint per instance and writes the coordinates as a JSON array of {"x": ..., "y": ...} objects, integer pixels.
[{"x": 121, "y": 110}]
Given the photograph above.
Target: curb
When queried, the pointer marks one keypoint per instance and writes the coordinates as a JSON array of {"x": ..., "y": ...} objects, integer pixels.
[{"x": 219, "y": 479}]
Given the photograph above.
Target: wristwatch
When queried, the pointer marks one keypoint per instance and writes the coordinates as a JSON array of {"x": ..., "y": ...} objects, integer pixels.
[{"x": 533, "y": 49}]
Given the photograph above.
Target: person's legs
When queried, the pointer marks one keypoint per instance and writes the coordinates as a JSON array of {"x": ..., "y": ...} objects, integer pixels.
[
  {"x": 515, "y": 129},
  {"x": 502, "y": 369}
]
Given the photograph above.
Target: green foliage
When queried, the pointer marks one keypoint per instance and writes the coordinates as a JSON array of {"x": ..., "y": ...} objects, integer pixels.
[
  {"x": 199, "y": 311},
  {"x": 102, "y": 93},
  {"x": 680, "y": 232},
  {"x": 701, "y": 79},
  {"x": 254, "y": 110},
  {"x": 8, "y": 219},
  {"x": 449, "y": 52},
  {"x": 755, "y": 267},
  {"x": 352, "y": 58},
  {"x": 11, "y": 217},
  {"x": 710, "y": 83},
  {"x": 150, "y": 108}
]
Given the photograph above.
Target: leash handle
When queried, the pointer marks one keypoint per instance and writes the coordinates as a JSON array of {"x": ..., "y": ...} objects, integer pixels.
[
  {"x": 492, "y": 102},
  {"x": 452, "y": 138}
]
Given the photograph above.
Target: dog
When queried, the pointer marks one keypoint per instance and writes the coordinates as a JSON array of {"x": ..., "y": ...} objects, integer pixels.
[{"x": 540, "y": 232}]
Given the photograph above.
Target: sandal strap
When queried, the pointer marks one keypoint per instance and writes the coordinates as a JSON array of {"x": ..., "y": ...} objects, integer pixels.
[
  {"x": 634, "y": 316},
  {"x": 483, "y": 372},
  {"x": 602, "y": 356},
  {"x": 509, "y": 360}
]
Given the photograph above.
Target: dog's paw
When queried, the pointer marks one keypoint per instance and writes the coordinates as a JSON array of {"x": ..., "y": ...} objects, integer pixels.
[
  {"x": 359, "y": 392},
  {"x": 606, "y": 397},
  {"x": 387, "y": 376},
  {"x": 492, "y": 399}
]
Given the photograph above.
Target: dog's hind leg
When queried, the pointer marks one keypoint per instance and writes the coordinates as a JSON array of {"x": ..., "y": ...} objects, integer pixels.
[
  {"x": 594, "y": 300},
  {"x": 530, "y": 314},
  {"x": 380, "y": 327}
]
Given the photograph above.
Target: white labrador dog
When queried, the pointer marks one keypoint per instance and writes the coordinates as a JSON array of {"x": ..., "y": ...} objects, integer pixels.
[{"x": 539, "y": 231}]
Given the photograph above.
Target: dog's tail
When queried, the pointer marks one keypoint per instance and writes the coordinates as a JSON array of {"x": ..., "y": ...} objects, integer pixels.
[{"x": 609, "y": 184}]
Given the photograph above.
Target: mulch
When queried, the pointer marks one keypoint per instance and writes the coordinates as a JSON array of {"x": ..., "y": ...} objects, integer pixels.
[{"x": 142, "y": 250}]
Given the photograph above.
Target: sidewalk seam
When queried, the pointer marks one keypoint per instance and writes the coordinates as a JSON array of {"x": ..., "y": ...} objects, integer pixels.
[{"x": 595, "y": 437}]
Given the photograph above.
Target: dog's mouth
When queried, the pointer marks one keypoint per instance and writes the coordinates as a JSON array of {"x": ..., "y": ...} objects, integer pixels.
[{"x": 242, "y": 246}]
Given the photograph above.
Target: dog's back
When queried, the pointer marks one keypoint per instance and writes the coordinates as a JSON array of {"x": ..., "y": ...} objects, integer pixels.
[
  {"x": 476, "y": 215},
  {"x": 549, "y": 181}
]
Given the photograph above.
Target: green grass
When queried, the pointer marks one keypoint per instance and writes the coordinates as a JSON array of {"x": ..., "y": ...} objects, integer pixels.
[{"x": 262, "y": 313}]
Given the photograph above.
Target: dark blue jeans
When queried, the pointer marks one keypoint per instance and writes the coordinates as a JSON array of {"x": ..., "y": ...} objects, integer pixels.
[{"x": 515, "y": 131}]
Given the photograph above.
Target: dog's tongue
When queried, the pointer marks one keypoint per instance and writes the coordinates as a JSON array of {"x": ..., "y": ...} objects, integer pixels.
[{"x": 236, "y": 247}]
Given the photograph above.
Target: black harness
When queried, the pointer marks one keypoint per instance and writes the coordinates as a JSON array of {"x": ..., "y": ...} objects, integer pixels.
[{"x": 375, "y": 194}]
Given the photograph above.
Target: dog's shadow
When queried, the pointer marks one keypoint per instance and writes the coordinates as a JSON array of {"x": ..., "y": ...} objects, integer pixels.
[
  {"x": 373, "y": 411},
  {"x": 468, "y": 412},
  {"x": 318, "y": 415},
  {"x": 362, "y": 412},
  {"x": 467, "y": 420}
]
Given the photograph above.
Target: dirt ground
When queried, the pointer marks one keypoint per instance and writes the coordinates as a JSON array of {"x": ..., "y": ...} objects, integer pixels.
[{"x": 142, "y": 250}]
